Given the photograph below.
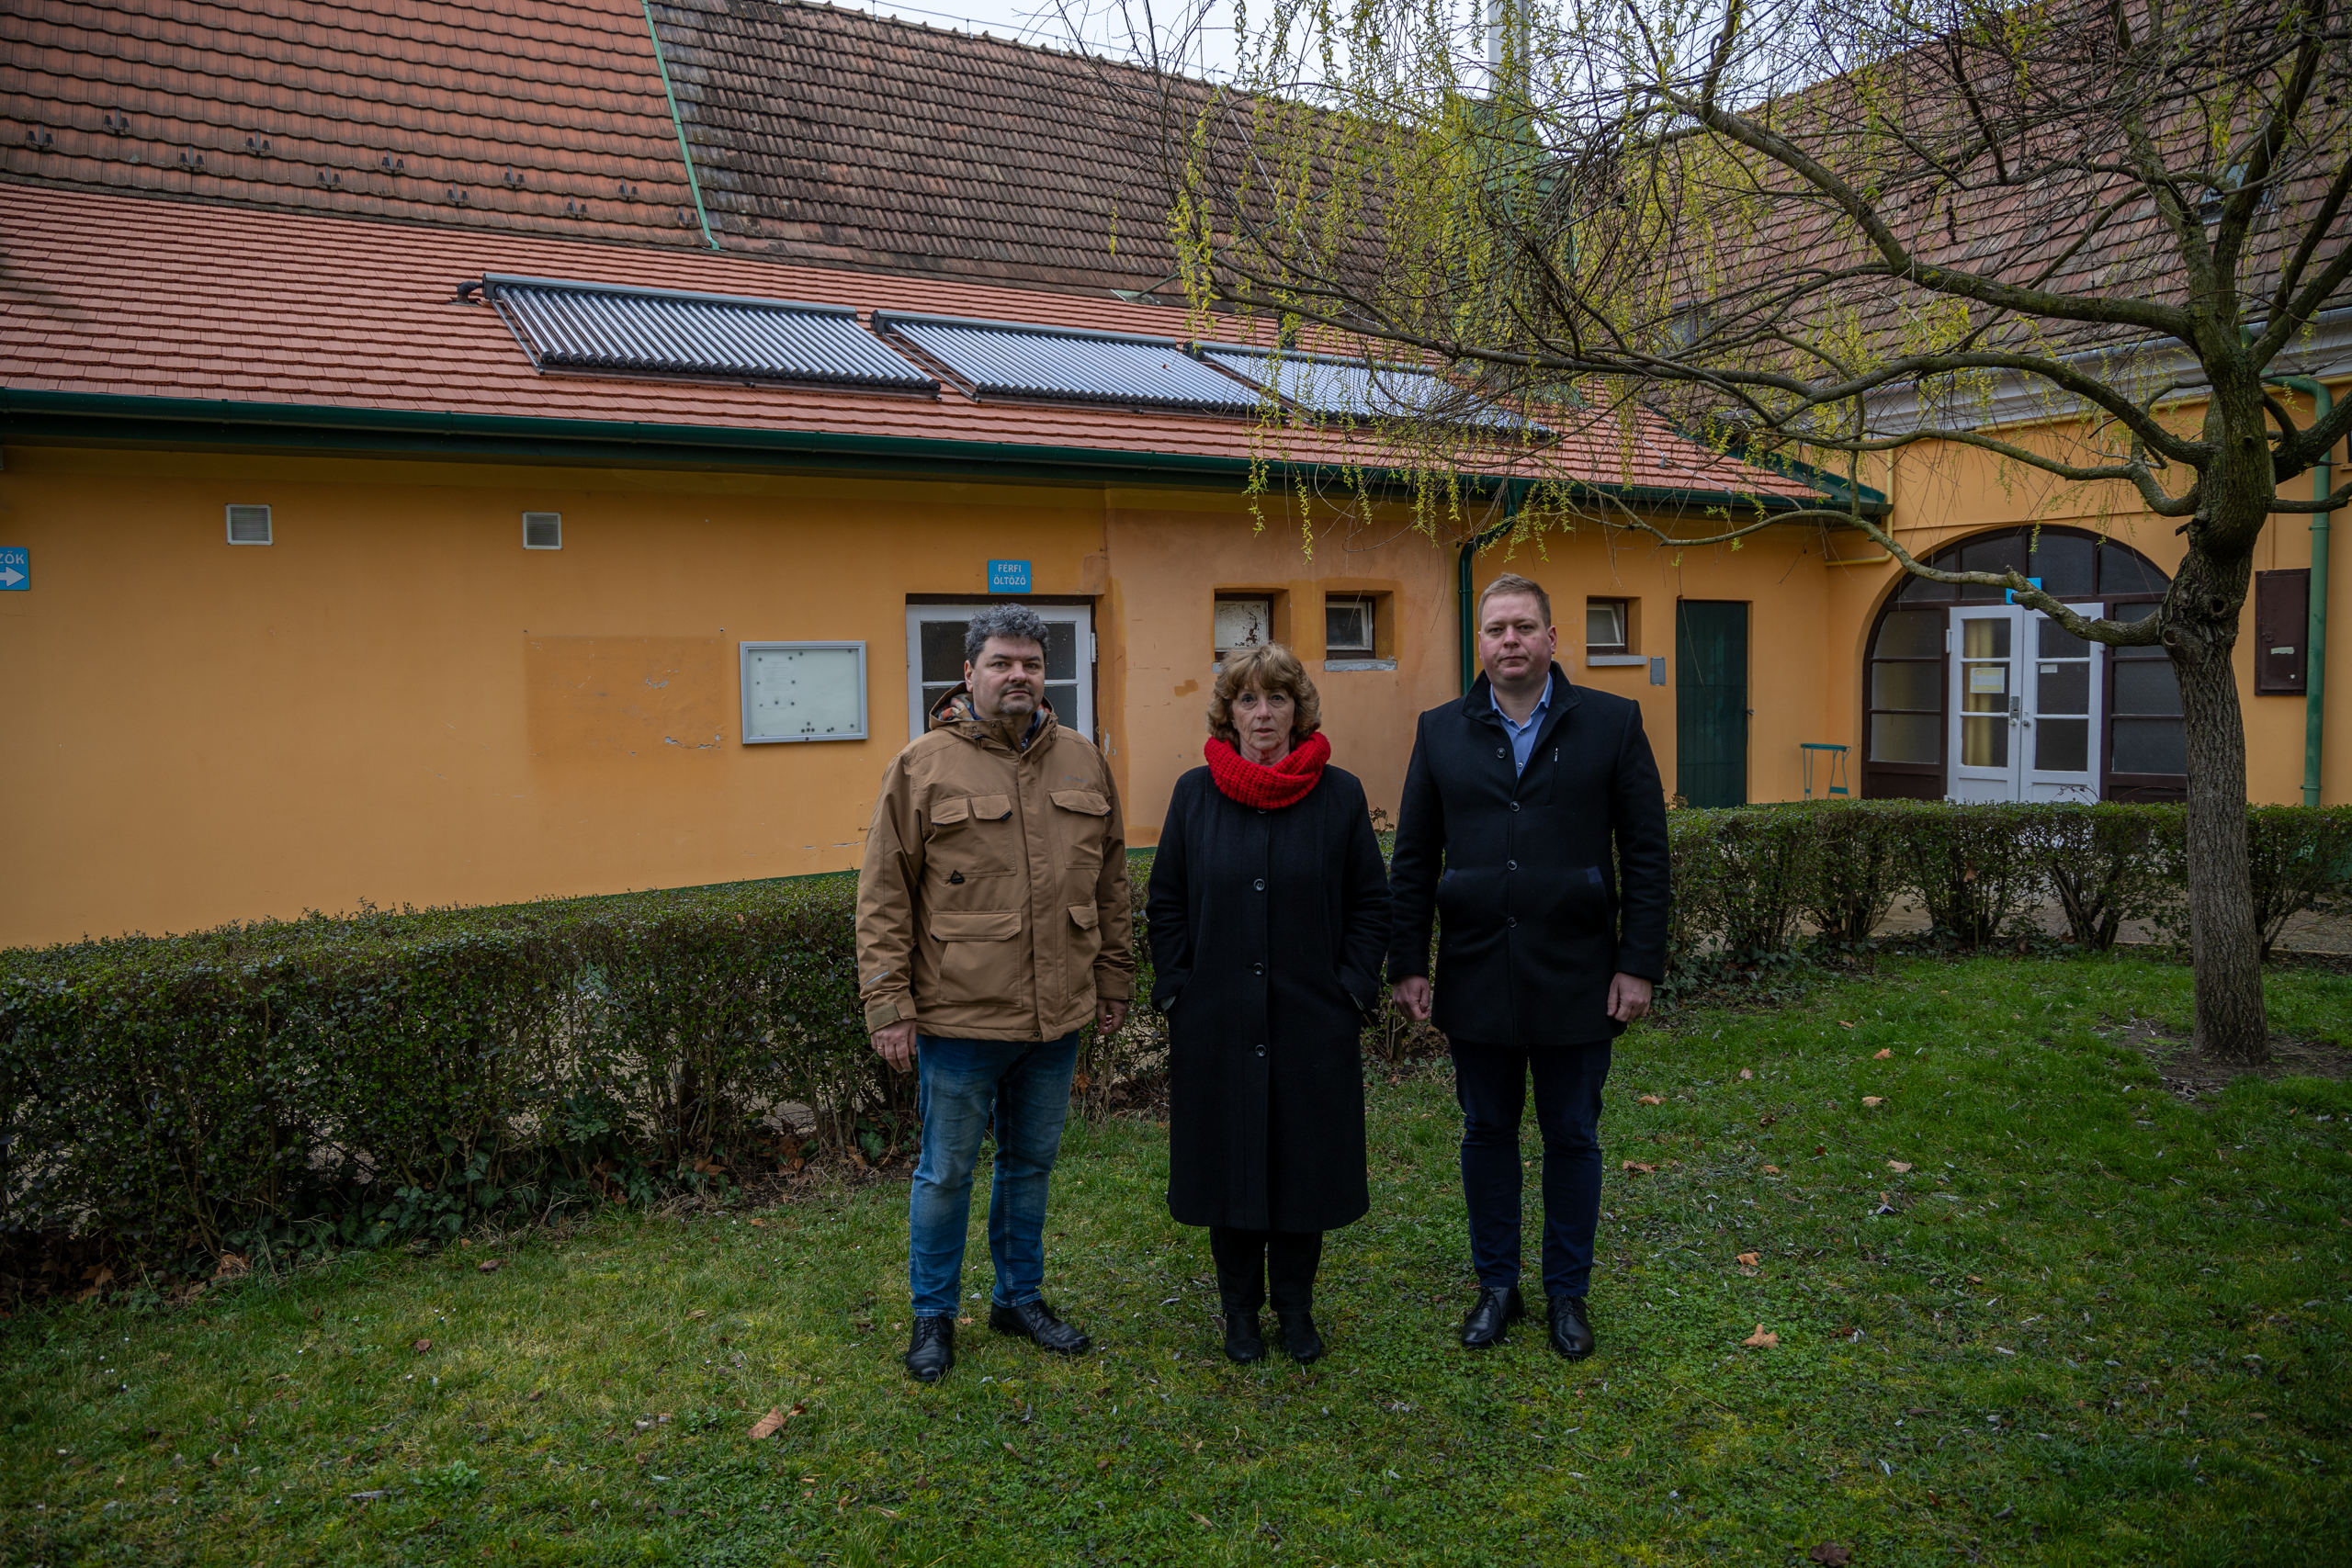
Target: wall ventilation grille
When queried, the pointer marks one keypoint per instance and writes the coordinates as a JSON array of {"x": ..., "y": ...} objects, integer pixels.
[
  {"x": 249, "y": 525},
  {"x": 543, "y": 530}
]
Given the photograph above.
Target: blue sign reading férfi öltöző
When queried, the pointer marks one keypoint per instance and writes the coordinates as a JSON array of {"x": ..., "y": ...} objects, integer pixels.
[
  {"x": 1008, "y": 577},
  {"x": 16, "y": 569}
]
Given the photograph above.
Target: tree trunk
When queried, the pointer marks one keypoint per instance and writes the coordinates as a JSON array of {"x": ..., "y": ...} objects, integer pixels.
[{"x": 2225, "y": 947}]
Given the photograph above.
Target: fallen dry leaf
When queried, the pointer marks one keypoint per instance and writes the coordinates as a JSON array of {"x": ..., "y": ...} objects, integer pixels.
[
  {"x": 1652, "y": 1100},
  {"x": 491, "y": 1265},
  {"x": 1843, "y": 1024},
  {"x": 1203, "y": 1523},
  {"x": 698, "y": 1312},
  {"x": 232, "y": 1266},
  {"x": 1103, "y": 1463},
  {"x": 1975, "y": 1279},
  {"x": 1882, "y": 1055},
  {"x": 1747, "y": 1072},
  {"x": 538, "y": 1395},
  {"x": 769, "y": 1424},
  {"x": 1641, "y": 1170},
  {"x": 1750, "y": 1259},
  {"x": 422, "y": 1346},
  {"x": 1762, "y": 1339},
  {"x": 1829, "y": 1555},
  {"x": 1873, "y": 1100},
  {"x": 1898, "y": 1167},
  {"x": 1772, "y": 1171}
]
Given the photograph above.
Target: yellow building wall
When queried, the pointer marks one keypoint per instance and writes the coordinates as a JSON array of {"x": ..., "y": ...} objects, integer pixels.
[{"x": 395, "y": 703}]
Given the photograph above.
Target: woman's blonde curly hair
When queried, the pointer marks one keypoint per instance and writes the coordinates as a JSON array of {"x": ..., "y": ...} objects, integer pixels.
[{"x": 1269, "y": 667}]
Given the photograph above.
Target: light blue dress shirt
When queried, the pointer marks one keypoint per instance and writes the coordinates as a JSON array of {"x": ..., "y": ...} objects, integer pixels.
[{"x": 1523, "y": 736}]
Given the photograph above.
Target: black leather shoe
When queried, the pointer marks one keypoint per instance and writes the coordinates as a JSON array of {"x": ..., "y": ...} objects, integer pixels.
[
  {"x": 1242, "y": 1341},
  {"x": 1571, "y": 1329},
  {"x": 931, "y": 1350},
  {"x": 1494, "y": 1309},
  {"x": 1299, "y": 1337},
  {"x": 1036, "y": 1320}
]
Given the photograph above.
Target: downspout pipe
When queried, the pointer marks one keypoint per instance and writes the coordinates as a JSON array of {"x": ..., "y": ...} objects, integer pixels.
[
  {"x": 1466, "y": 589},
  {"x": 2315, "y": 630}
]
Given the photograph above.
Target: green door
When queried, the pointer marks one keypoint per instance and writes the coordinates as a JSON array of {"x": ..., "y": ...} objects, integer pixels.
[{"x": 1711, "y": 702}]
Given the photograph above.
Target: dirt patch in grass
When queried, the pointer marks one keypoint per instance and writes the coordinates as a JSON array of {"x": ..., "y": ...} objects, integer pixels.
[{"x": 2192, "y": 1077}]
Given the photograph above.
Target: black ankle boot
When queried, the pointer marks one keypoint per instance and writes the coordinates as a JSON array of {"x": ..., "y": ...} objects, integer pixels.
[
  {"x": 1299, "y": 1337},
  {"x": 931, "y": 1350},
  {"x": 1242, "y": 1340}
]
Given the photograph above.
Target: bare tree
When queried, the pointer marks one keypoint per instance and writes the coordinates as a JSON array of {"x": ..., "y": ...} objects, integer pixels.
[{"x": 1826, "y": 231}]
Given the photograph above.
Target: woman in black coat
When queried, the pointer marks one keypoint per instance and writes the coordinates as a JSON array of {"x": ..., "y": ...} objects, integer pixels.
[{"x": 1269, "y": 911}]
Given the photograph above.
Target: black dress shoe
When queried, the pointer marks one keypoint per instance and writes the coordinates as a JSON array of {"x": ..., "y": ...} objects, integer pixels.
[
  {"x": 1036, "y": 1320},
  {"x": 1299, "y": 1337},
  {"x": 1242, "y": 1341},
  {"x": 1571, "y": 1329},
  {"x": 1495, "y": 1308},
  {"x": 931, "y": 1350}
]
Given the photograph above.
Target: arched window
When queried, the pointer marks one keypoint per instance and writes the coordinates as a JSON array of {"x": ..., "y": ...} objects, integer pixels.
[{"x": 1963, "y": 698}]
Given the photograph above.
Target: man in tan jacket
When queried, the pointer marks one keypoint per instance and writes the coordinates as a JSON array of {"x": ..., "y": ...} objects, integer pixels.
[{"x": 992, "y": 922}]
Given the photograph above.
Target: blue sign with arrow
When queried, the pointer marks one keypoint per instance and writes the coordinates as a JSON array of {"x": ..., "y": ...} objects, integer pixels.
[{"x": 16, "y": 569}]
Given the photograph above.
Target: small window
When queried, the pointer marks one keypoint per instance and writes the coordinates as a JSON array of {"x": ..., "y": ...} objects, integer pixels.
[
  {"x": 803, "y": 691},
  {"x": 543, "y": 530},
  {"x": 249, "y": 526},
  {"x": 1349, "y": 625},
  {"x": 1605, "y": 626},
  {"x": 1243, "y": 621}
]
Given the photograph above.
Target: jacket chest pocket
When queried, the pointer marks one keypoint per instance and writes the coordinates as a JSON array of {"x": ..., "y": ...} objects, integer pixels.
[
  {"x": 971, "y": 836},
  {"x": 1081, "y": 821},
  {"x": 980, "y": 956}
]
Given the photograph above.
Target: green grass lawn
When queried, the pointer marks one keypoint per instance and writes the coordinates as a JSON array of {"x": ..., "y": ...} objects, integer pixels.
[{"x": 2088, "y": 1324}]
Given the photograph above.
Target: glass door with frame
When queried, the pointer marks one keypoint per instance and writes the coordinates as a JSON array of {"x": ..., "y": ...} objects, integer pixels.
[
  {"x": 2024, "y": 706},
  {"x": 936, "y": 661}
]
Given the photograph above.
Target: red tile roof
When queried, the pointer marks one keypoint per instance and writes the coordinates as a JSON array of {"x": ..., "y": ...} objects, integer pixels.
[
  {"x": 529, "y": 114},
  {"x": 137, "y": 296},
  {"x": 818, "y": 135}
]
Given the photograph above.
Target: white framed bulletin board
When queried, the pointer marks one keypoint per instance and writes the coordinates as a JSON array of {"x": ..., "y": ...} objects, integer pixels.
[{"x": 803, "y": 691}]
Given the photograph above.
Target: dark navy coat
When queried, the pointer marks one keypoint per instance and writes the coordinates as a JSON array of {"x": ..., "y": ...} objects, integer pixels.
[
  {"x": 1266, "y": 935},
  {"x": 1544, "y": 883}
]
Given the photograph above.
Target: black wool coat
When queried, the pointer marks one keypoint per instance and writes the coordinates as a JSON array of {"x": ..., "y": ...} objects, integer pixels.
[
  {"x": 1266, "y": 933},
  {"x": 1544, "y": 883}
]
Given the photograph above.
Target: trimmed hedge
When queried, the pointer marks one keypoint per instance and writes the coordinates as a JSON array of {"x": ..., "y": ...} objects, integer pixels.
[{"x": 350, "y": 1082}]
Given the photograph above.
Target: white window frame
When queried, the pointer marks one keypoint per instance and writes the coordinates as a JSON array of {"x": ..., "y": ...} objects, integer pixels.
[
  {"x": 1079, "y": 615},
  {"x": 743, "y": 653}
]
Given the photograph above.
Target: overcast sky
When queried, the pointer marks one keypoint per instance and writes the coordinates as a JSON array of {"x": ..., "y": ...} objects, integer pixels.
[{"x": 1106, "y": 27}]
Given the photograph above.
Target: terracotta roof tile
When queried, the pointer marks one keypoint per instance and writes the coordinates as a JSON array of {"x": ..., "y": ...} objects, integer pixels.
[{"x": 108, "y": 293}]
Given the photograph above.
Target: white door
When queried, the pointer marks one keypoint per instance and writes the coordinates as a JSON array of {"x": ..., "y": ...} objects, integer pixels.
[
  {"x": 2024, "y": 706},
  {"x": 936, "y": 661}
]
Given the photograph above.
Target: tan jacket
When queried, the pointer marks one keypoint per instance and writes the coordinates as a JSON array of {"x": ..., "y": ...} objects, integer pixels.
[{"x": 993, "y": 901}]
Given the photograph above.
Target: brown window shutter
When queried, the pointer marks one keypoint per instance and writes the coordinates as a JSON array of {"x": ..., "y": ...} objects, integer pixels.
[{"x": 2281, "y": 620}]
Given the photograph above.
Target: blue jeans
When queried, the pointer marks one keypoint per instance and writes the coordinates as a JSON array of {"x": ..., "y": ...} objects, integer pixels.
[
  {"x": 1026, "y": 1086},
  {"x": 1491, "y": 1083}
]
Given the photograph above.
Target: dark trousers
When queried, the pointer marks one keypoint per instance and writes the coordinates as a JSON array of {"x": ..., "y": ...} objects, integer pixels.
[
  {"x": 1248, "y": 1261},
  {"x": 1490, "y": 1082}
]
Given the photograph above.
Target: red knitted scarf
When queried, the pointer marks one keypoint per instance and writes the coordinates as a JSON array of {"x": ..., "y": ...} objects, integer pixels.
[{"x": 1286, "y": 783}]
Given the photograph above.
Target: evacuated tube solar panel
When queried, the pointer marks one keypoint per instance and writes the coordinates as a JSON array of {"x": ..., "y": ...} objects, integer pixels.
[
  {"x": 1009, "y": 359},
  {"x": 1352, "y": 389},
  {"x": 573, "y": 326}
]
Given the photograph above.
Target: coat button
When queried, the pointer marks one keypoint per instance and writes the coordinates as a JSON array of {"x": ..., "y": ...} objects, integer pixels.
[
  {"x": 1510, "y": 865},
  {"x": 1499, "y": 751},
  {"x": 1514, "y": 805},
  {"x": 1262, "y": 1047},
  {"x": 1510, "y": 919},
  {"x": 1260, "y": 885},
  {"x": 1257, "y": 969},
  {"x": 1261, "y": 811}
]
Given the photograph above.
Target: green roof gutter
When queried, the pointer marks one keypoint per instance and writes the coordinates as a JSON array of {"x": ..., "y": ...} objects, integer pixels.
[{"x": 92, "y": 419}]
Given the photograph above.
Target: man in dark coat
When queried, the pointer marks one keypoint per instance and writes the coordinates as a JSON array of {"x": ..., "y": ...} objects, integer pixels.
[{"x": 1533, "y": 822}]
